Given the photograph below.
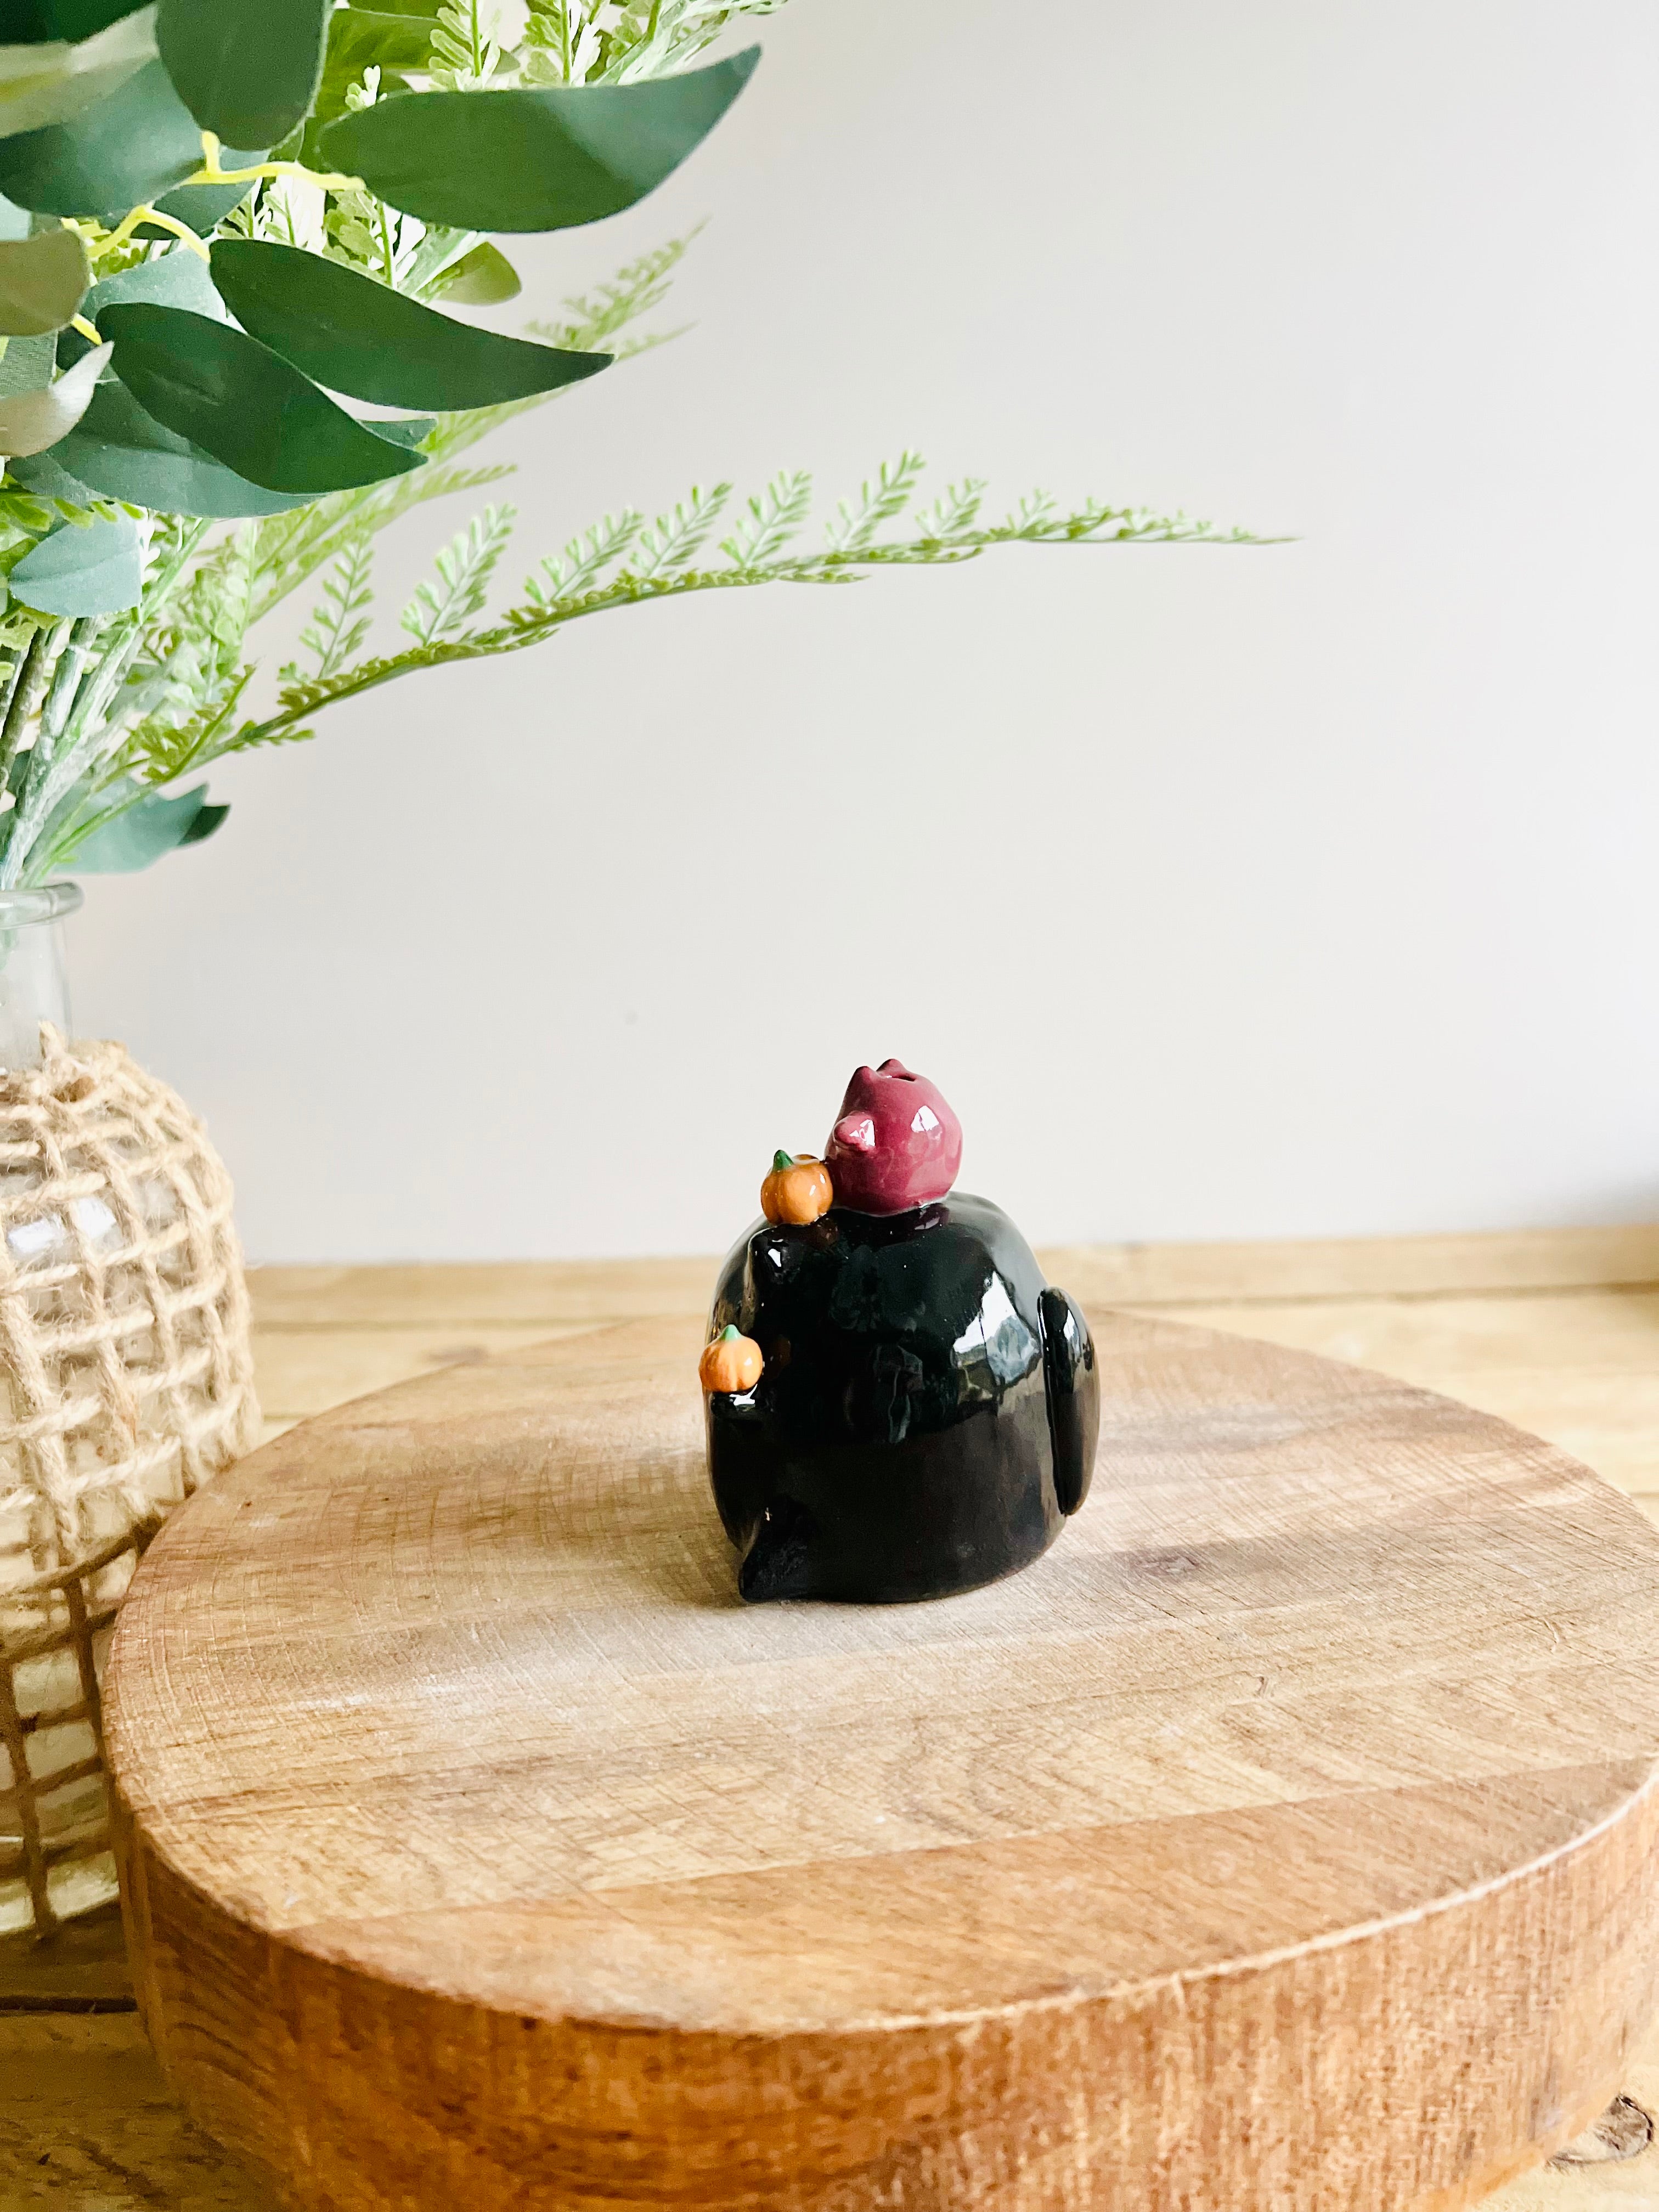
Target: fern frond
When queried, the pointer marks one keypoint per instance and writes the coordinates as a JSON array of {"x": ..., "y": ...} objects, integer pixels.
[
  {"x": 1032, "y": 513},
  {"x": 572, "y": 591},
  {"x": 338, "y": 627},
  {"x": 673, "y": 539},
  {"x": 592, "y": 317},
  {"x": 157, "y": 753},
  {"x": 883, "y": 500},
  {"x": 655, "y": 35},
  {"x": 253, "y": 735},
  {"x": 956, "y": 510},
  {"x": 465, "y": 568},
  {"x": 772, "y": 520},
  {"x": 583, "y": 560},
  {"x": 461, "y": 56},
  {"x": 298, "y": 701},
  {"x": 291, "y": 547},
  {"x": 563, "y": 42},
  {"x": 283, "y": 736}
]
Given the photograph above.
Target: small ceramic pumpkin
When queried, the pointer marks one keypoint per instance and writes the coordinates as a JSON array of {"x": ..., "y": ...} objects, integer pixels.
[
  {"x": 797, "y": 1190},
  {"x": 732, "y": 1362}
]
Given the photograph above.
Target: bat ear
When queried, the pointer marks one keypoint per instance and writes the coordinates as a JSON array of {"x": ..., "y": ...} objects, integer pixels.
[{"x": 1073, "y": 1393}]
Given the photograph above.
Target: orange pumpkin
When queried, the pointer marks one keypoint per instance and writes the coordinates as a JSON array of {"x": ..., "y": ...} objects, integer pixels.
[
  {"x": 798, "y": 1190},
  {"x": 732, "y": 1362}
]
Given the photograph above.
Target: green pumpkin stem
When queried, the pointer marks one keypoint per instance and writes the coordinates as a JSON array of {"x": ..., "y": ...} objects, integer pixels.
[
  {"x": 780, "y": 1161},
  {"x": 730, "y": 1332}
]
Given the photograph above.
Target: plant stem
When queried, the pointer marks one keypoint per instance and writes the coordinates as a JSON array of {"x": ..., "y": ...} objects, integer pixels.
[
  {"x": 144, "y": 213},
  {"x": 211, "y": 173},
  {"x": 43, "y": 649},
  {"x": 89, "y": 714},
  {"x": 65, "y": 679},
  {"x": 9, "y": 683},
  {"x": 74, "y": 734},
  {"x": 23, "y": 698}
]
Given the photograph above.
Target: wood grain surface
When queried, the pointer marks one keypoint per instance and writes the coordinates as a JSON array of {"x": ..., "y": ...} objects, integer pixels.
[{"x": 1285, "y": 1836}]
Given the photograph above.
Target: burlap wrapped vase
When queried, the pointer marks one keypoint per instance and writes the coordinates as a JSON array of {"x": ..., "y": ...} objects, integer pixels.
[{"x": 128, "y": 1383}]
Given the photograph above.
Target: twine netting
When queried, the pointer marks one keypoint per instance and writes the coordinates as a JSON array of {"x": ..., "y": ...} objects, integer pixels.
[{"x": 128, "y": 1382}]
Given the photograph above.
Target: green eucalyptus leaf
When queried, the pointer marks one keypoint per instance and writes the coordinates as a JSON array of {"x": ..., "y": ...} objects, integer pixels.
[
  {"x": 26, "y": 364},
  {"x": 47, "y": 479},
  {"x": 378, "y": 38},
  {"x": 247, "y": 70},
  {"x": 330, "y": 104},
  {"x": 405, "y": 429},
  {"x": 143, "y": 831},
  {"x": 178, "y": 278},
  {"x": 208, "y": 819},
  {"x": 95, "y": 571},
  {"x": 359, "y": 336},
  {"x": 532, "y": 160},
  {"x": 483, "y": 278},
  {"x": 204, "y": 207},
  {"x": 79, "y": 19},
  {"x": 41, "y": 85},
  {"x": 249, "y": 408},
  {"x": 126, "y": 148},
  {"x": 43, "y": 282},
  {"x": 32, "y": 421},
  {"x": 117, "y": 451}
]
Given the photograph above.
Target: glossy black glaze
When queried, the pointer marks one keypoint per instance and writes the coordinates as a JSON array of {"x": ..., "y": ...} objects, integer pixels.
[{"x": 927, "y": 1412}]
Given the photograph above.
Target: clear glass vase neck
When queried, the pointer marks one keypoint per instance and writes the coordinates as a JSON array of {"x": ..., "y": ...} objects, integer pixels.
[{"x": 34, "y": 969}]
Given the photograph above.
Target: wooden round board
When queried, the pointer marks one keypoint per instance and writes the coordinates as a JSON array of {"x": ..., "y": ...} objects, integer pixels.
[{"x": 1285, "y": 1837}]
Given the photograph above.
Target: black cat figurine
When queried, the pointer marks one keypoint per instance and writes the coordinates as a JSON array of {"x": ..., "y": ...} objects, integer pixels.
[{"x": 898, "y": 1406}]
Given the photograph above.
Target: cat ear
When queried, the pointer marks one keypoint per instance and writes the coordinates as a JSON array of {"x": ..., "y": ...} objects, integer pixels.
[
  {"x": 857, "y": 1132},
  {"x": 895, "y": 1067}
]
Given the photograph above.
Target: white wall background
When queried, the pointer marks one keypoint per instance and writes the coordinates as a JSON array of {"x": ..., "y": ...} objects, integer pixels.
[{"x": 1303, "y": 890}]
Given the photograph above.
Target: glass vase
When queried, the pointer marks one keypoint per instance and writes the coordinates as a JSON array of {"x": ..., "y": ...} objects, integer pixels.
[
  {"x": 34, "y": 969},
  {"x": 125, "y": 1382}
]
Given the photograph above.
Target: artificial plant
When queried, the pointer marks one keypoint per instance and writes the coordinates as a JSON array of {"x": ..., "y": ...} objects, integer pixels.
[{"x": 194, "y": 338}]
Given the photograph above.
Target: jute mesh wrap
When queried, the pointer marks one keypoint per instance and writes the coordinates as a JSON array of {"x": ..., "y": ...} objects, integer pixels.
[{"x": 128, "y": 1383}]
